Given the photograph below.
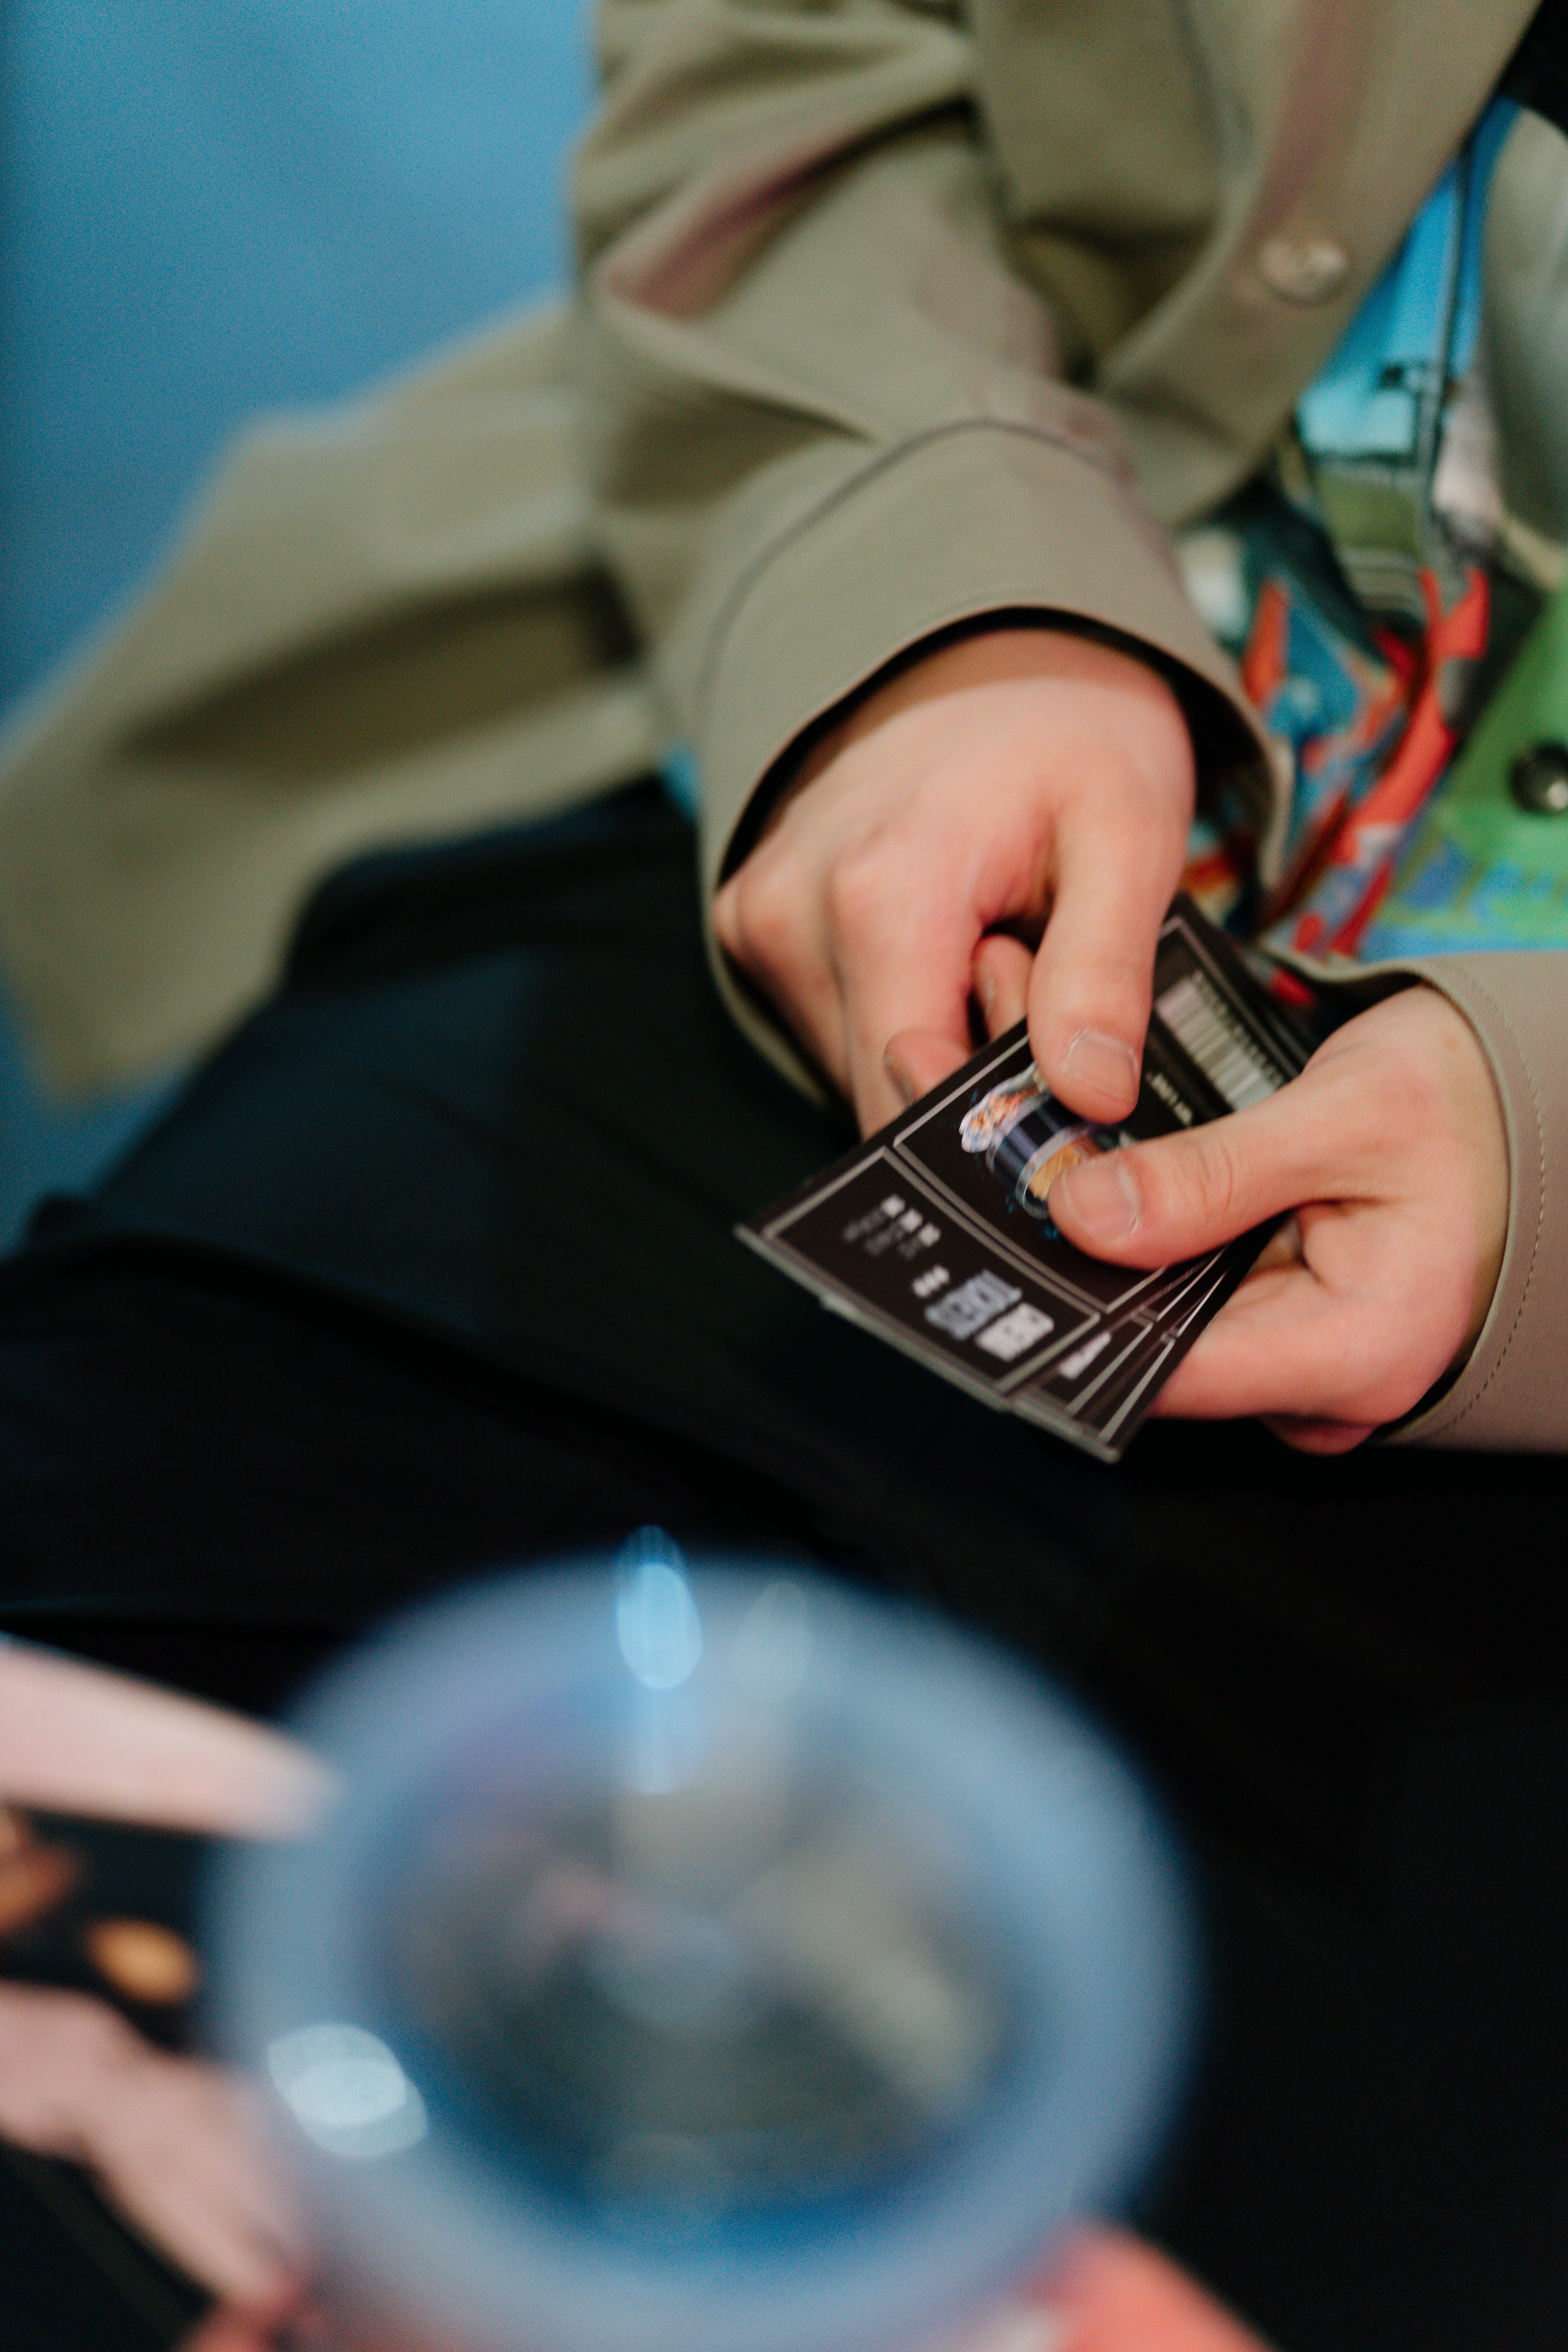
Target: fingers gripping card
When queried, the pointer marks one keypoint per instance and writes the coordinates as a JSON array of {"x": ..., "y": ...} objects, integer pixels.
[{"x": 936, "y": 1233}]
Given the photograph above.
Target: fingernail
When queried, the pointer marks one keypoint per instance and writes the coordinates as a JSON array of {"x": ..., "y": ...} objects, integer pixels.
[
  {"x": 1104, "y": 1064},
  {"x": 986, "y": 988},
  {"x": 902, "y": 1079},
  {"x": 1101, "y": 1196}
]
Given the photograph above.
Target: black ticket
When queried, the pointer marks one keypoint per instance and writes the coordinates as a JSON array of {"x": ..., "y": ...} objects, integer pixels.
[{"x": 936, "y": 1235}]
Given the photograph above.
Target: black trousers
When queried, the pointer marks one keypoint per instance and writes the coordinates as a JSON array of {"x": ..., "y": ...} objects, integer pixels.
[{"x": 431, "y": 1268}]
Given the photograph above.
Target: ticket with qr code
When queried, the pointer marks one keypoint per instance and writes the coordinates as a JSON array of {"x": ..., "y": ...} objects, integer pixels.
[{"x": 936, "y": 1232}]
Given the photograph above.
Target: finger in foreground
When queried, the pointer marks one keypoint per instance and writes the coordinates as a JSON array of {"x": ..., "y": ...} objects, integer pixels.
[
  {"x": 258, "y": 2326},
  {"x": 1113, "y": 2294},
  {"x": 175, "y": 2144},
  {"x": 228, "y": 2327},
  {"x": 1118, "y": 859},
  {"x": 78, "y": 1738},
  {"x": 216, "y": 2239}
]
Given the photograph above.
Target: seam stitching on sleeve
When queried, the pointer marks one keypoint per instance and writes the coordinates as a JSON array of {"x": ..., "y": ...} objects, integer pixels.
[
  {"x": 1439, "y": 1427},
  {"x": 878, "y": 464}
]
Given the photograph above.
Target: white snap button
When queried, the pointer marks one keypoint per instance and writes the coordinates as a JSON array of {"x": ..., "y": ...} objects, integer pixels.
[{"x": 1303, "y": 269}]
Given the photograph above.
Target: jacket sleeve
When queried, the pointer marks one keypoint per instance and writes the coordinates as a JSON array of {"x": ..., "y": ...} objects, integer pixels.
[
  {"x": 826, "y": 417},
  {"x": 1512, "y": 1392}
]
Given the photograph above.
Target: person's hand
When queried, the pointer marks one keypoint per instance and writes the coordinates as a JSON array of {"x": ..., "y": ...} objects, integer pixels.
[
  {"x": 173, "y": 2142},
  {"x": 79, "y": 1739},
  {"x": 1107, "y": 2291},
  {"x": 1389, "y": 1149},
  {"x": 1023, "y": 778},
  {"x": 287, "y": 2321}
]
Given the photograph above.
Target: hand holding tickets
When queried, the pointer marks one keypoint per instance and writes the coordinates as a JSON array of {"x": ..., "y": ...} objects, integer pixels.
[
  {"x": 1389, "y": 1151},
  {"x": 940, "y": 1233},
  {"x": 1011, "y": 771}
]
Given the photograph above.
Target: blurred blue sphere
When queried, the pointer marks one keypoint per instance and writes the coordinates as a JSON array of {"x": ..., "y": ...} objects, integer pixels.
[{"x": 706, "y": 1956}]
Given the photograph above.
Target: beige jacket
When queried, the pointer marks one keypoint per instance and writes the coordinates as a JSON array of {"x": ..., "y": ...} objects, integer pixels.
[{"x": 895, "y": 313}]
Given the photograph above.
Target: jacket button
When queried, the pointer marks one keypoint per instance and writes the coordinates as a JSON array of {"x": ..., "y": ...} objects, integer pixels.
[
  {"x": 1303, "y": 269},
  {"x": 1538, "y": 779}
]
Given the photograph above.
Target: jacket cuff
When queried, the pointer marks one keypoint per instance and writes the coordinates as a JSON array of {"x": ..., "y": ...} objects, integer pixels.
[
  {"x": 956, "y": 524},
  {"x": 1511, "y": 1393}
]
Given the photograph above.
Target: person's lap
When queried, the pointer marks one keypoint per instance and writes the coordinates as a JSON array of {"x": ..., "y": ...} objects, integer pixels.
[{"x": 433, "y": 1267}]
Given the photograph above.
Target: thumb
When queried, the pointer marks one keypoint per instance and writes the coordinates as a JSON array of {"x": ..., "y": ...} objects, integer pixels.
[{"x": 1151, "y": 1204}]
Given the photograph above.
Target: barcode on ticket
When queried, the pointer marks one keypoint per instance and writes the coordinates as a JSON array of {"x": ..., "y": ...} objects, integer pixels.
[{"x": 1197, "y": 1017}]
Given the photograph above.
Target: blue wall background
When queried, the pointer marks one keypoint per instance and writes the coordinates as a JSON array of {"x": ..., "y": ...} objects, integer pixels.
[{"x": 211, "y": 208}]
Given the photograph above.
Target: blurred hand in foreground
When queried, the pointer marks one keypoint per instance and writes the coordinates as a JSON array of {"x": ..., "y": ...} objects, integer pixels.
[
  {"x": 1107, "y": 2291},
  {"x": 79, "y": 1739},
  {"x": 1022, "y": 777},
  {"x": 1104, "y": 2292},
  {"x": 173, "y": 2142}
]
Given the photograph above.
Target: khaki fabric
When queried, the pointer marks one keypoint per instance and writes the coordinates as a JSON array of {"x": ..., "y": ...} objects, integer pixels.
[
  {"x": 894, "y": 313},
  {"x": 384, "y": 625},
  {"x": 1513, "y": 1390}
]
